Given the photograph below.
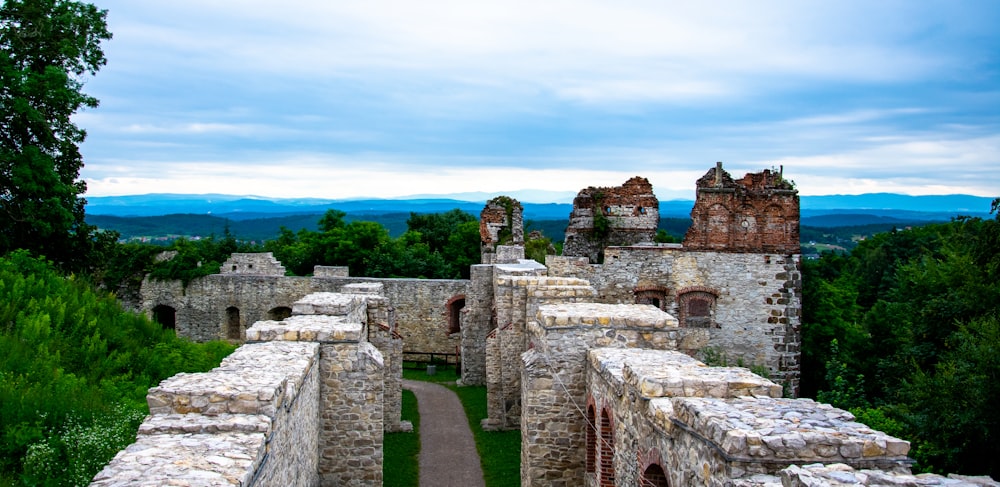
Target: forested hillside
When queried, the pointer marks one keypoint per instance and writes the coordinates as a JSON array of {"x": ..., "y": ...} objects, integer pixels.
[
  {"x": 905, "y": 331},
  {"x": 74, "y": 370}
]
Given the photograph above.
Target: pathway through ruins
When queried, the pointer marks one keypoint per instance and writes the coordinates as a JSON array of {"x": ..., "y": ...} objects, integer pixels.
[{"x": 448, "y": 455}]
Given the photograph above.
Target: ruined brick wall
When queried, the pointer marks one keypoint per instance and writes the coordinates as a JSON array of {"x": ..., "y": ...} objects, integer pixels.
[
  {"x": 622, "y": 215},
  {"x": 759, "y": 213},
  {"x": 500, "y": 223}
]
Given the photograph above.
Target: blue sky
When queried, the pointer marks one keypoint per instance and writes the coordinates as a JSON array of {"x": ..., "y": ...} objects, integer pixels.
[{"x": 390, "y": 98}]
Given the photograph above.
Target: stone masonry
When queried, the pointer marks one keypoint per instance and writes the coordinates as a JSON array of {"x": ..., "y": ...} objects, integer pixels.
[
  {"x": 258, "y": 264},
  {"x": 602, "y": 217},
  {"x": 500, "y": 223},
  {"x": 300, "y": 404}
]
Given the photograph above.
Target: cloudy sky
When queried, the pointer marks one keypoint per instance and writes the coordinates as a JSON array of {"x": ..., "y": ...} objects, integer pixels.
[{"x": 341, "y": 99}]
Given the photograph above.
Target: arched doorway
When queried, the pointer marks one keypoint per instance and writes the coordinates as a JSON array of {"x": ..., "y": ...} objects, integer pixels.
[
  {"x": 654, "y": 476},
  {"x": 165, "y": 316},
  {"x": 233, "y": 323}
]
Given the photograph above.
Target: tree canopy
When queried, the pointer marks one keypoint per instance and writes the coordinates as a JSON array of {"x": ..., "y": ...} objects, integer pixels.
[
  {"x": 47, "y": 48},
  {"x": 914, "y": 321}
]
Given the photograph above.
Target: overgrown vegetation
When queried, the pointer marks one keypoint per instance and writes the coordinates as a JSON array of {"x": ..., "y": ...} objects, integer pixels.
[
  {"x": 905, "y": 332},
  {"x": 74, "y": 371}
]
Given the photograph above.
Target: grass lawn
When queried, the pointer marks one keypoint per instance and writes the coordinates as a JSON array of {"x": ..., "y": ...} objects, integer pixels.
[
  {"x": 499, "y": 451},
  {"x": 400, "y": 451}
]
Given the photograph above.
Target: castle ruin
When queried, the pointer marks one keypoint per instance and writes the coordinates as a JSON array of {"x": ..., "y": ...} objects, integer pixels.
[{"x": 595, "y": 362}]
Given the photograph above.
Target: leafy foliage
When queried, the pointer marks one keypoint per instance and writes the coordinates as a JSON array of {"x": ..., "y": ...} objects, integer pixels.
[
  {"x": 74, "y": 371},
  {"x": 195, "y": 259},
  {"x": 912, "y": 316},
  {"x": 367, "y": 249},
  {"x": 46, "y": 48}
]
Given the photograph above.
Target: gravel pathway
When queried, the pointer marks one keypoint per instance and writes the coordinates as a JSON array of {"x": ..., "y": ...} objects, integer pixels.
[{"x": 448, "y": 455}]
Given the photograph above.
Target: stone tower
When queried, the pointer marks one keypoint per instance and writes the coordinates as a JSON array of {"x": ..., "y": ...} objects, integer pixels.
[{"x": 618, "y": 216}]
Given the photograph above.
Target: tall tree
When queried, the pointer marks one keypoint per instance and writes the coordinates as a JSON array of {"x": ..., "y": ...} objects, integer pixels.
[{"x": 47, "y": 48}]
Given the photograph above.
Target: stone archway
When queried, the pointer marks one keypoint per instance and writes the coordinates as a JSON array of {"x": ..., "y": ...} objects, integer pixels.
[{"x": 654, "y": 476}]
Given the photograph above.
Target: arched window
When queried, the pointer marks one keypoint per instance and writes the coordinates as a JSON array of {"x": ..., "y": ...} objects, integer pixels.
[
  {"x": 233, "y": 323},
  {"x": 607, "y": 451},
  {"x": 654, "y": 476},
  {"x": 591, "y": 440},
  {"x": 165, "y": 316},
  {"x": 656, "y": 296},
  {"x": 453, "y": 310},
  {"x": 696, "y": 307},
  {"x": 279, "y": 313}
]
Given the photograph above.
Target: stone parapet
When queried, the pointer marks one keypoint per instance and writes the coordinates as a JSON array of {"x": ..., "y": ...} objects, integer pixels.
[
  {"x": 375, "y": 288},
  {"x": 755, "y": 430},
  {"x": 841, "y": 475},
  {"x": 349, "y": 306},
  {"x": 199, "y": 423},
  {"x": 208, "y": 459},
  {"x": 254, "y": 420},
  {"x": 655, "y": 373},
  {"x": 331, "y": 271},
  {"x": 621, "y": 316},
  {"x": 256, "y": 379},
  {"x": 314, "y": 328},
  {"x": 258, "y": 263}
]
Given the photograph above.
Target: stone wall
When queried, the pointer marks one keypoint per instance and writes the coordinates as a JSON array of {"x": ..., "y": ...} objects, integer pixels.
[
  {"x": 500, "y": 223},
  {"x": 478, "y": 319},
  {"x": 301, "y": 404},
  {"x": 754, "y": 308},
  {"x": 257, "y": 264},
  {"x": 621, "y": 383},
  {"x": 714, "y": 426},
  {"x": 554, "y": 390},
  {"x": 519, "y": 291},
  {"x": 601, "y": 217},
  {"x": 201, "y": 308},
  {"x": 253, "y": 420}
]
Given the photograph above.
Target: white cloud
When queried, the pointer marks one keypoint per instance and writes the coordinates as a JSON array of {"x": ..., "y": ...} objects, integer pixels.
[{"x": 390, "y": 97}]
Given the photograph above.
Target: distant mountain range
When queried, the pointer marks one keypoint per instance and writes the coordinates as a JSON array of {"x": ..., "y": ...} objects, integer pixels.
[{"x": 816, "y": 210}]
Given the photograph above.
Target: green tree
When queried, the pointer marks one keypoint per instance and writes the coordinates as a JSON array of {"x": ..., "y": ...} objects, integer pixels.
[
  {"x": 47, "y": 47},
  {"x": 437, "y": 228}
]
